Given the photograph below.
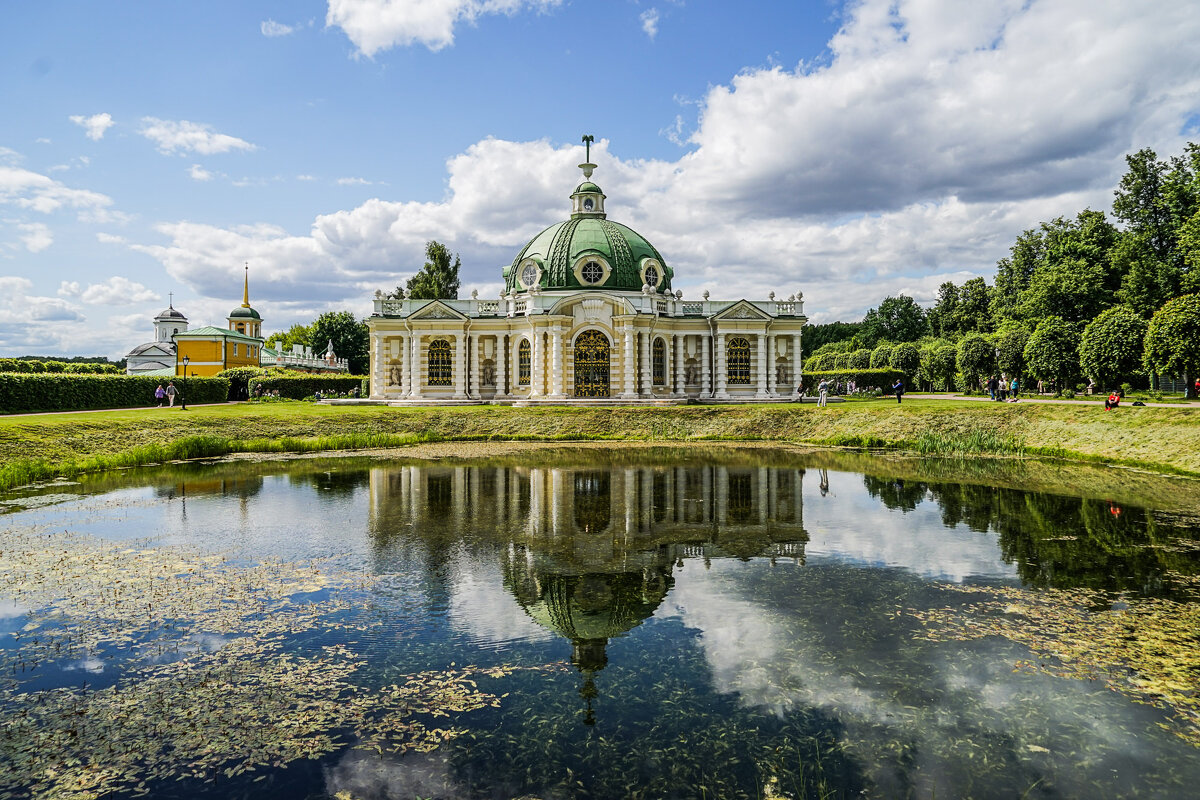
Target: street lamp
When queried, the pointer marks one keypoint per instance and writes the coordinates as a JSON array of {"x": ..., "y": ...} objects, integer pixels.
[{"x": 182, "y": 392}]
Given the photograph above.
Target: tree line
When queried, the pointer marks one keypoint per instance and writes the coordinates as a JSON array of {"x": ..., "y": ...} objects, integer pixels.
[{"x": 1088, "y": 299}]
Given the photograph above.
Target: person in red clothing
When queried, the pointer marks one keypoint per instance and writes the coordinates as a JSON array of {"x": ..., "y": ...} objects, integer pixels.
[{"x": 1112, "y": 402}]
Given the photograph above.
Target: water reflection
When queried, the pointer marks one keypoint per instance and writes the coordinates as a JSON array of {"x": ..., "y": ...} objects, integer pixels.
[{"x": 588, "y": 553}]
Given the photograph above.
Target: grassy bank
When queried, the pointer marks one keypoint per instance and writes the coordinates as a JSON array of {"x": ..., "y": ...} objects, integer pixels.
[{"x": 40, "y": 447}]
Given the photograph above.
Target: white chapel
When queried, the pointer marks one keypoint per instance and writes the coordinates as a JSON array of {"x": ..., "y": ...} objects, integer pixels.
[{"x": 587, "y": 316}]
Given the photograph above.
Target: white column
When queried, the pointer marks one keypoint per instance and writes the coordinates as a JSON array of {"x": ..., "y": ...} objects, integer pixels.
[
  {"x": 647, "y": 388},
  {"x": 677, "y": 351},
  {"x": 719, "y": 367},
  {"x": 538, "y": 355},
  {"x": 415, "y": 379},
  {"x": 762, "y": 366},
  {"x": 502, "y": 363},
  {"x": 378, "y": 379},
  {"x": 796, "y": 373},
  {"x": 706, "y": 387},
  {"x": 460, "y": 365},
  {"x": 401, "y": 352},
  {"x": 556, "y": 363},
  {"x": 474, "y": 387},
  {"x": 629, "y": 362}
]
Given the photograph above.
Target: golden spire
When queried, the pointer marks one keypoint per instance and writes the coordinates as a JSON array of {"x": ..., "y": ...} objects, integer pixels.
[{"x": 246, "y": 288}]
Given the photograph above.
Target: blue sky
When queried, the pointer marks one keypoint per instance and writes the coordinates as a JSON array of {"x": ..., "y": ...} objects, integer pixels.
[{"x": 846, "y": 150}]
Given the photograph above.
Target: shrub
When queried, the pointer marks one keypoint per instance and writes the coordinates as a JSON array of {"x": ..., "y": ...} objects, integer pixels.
[
  {"x": 1011, "y": 342},
  {"x": 841, "y": 361},
  {"x": 1052, "y": 353},
  {"x": 880, "y": 356},
  {"x": 864, "y": 379},
  {"x": 1112, "y": 346},
  {"x": 1173, "y": 339},
  {"x": 859, "y": 359},
  {"x": 299, "y": 386},
  {"x": 66, "y": 392},
  {"x": 906, "y": 358}
]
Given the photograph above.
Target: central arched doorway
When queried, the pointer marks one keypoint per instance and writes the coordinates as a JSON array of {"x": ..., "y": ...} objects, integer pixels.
[{"x": 591, "y": 364}]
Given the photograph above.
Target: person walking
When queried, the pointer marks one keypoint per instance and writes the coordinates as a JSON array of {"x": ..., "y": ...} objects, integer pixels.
[
  {"x": 898, "y": 388},
  {"x": 171, "y": 392},
  {"x": 160, "y": 394},
  {"x": 1014, "y": 387},
  {"x": 822, "y": 393}
]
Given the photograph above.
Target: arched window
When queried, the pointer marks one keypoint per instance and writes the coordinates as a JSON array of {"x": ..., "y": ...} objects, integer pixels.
[
  {"x": 659, "y": 362},
  {"x": 440, "y": 370},
  {"x": 523, "y": 361},
  {"x": 737, "y": 361}
]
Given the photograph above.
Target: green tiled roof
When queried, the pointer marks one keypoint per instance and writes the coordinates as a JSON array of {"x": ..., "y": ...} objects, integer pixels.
[
  {"x": 209, "y": 331},
  {"x": 560, "y": 245}
]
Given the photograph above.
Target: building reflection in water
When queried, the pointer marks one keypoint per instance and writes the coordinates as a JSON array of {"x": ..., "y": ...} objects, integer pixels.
[{"x": 589, "y": 552}]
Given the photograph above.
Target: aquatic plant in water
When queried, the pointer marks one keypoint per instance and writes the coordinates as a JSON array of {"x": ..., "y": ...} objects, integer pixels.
[
  {"x": 206, "y": 689},
  {"x": 1147, "y": 648}
]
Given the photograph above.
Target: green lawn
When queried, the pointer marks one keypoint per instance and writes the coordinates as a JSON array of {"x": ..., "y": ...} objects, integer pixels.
[{"x": 37, "y": 447}]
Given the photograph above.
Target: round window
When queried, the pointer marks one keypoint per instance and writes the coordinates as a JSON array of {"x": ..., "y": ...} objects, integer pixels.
[
  {"x": 592, "y": 272},
  {"x": 652, "y": 276},
  {"x": 529, "y": 275},
  {"x": 588, "y": 204}
]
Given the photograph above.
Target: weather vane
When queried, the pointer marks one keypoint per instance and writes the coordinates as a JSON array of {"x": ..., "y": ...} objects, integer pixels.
[{"x": 587, "y": 166}]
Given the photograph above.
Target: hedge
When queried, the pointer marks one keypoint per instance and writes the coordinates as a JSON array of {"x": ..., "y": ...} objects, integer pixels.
[
  {"x": 34, "y": 366},
  {"x": 63, "y": 392},
  {"x": 298, "y": 387},
  {"x": 863, "y": 378}
]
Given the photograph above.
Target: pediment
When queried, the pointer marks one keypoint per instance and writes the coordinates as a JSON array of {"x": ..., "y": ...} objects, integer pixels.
[
  {"x": 437, "y": 310},
  {"x": 742, "y": 310}
]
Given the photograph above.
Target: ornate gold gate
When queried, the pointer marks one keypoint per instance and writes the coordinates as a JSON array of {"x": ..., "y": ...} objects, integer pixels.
[{"x": 591, "y": 364}]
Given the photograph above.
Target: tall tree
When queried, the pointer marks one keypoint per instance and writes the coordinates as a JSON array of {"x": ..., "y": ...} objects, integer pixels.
[
  {"x": 350, "y": 338},
  {"x": 1139, "y": 201},
  {"x": 1014, "y": 273},
  {"x": 438, "y": 279},
  {"x": 942, "y": 317},
  {"x": 974, "y": 312},
  {"x": 297, "y": 334},
  {"x": 898, "y": 319}
]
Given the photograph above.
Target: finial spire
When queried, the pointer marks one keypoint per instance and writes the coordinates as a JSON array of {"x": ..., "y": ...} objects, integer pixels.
[
  {"x": 170, "y": 299},
  {"x": 587, "y": 166},
  {"x": 246, "y": 288}
]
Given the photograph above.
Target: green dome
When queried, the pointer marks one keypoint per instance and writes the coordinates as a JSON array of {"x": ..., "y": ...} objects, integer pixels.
[
  {"x": 587, "y": 186},
  {"x": 244, "y": 312},
  {"x": 559, "y": 249}
]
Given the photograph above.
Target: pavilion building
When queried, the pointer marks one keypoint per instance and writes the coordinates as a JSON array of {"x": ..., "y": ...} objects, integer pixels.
[{"x": 587, "y": 315}]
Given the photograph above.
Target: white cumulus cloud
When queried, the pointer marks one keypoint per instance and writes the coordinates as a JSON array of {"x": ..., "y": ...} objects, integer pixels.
[
  {"x": 36, "y": 236},
  {"x": 31, "y": 190},
  {"x": 116, "y": 291},
  {"x": 271, "y": 29},
  {"x": 95, "y": 125},
  {"x": 199, "y": 173},
  {"x": 375, "y": 25},
  {"x": 649, "y": 19},
  {"x": 189, "y": 137}
]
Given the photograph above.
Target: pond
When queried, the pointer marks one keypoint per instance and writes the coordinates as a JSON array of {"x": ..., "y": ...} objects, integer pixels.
[{"x": 602, "y": 622}]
